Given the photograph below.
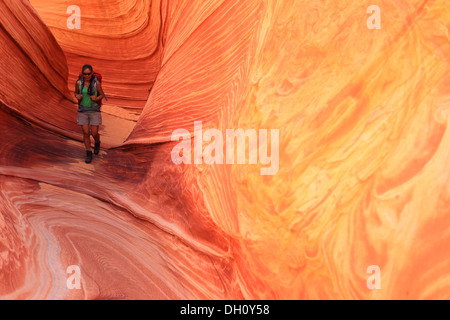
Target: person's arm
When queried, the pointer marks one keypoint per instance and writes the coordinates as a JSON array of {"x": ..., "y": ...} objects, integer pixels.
[
  {"x": 78, "y": 96},
  {"x": 101, "y": 94}
]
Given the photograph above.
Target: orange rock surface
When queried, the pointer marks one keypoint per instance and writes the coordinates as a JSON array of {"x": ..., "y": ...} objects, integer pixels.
[{"x": 364, "y": 161}]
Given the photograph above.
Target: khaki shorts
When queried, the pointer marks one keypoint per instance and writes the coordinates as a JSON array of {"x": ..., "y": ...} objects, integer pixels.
[{"x": 92, "y": 118}]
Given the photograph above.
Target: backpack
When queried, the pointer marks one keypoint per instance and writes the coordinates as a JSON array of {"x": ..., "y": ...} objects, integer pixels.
[{"x": 93, "y": 87}]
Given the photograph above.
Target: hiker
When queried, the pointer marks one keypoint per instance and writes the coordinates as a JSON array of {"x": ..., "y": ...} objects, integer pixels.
[{"x": 89, "y": 93}]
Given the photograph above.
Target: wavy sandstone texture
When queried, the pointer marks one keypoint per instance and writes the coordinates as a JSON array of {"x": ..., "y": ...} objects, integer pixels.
[{"x": 364, "y": 150}]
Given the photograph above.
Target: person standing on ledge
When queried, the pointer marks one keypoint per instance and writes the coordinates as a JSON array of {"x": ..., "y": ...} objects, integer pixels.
[{"x": 88, "y": 91}]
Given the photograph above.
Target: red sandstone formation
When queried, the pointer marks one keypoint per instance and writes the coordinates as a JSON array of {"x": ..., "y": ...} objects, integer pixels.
[{"x": 363, "y": 151}]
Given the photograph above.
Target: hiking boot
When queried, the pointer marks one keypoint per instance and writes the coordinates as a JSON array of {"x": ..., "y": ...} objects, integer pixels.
[
  {"x": 97, "y": 148},
  {"x": 88, "y": 156}
]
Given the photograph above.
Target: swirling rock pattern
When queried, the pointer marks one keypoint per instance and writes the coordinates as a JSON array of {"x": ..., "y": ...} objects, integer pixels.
[{"x": 364, "y": 151}]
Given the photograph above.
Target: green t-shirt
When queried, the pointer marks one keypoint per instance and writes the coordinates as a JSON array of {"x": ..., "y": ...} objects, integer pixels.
[{"x": 86, "y": 101}]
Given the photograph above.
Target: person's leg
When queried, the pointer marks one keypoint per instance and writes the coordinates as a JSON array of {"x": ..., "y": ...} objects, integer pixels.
[
  {"x": 96, "y": 121},
  {"x": 86, "y": 136},
  {"x": 83, "y": 122},
  {"x": 87, "y": 143},
  {"x": 95, "y": 134}
]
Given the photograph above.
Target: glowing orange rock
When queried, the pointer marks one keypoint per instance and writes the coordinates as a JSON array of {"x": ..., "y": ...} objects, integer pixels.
[{"x": 364, "y": 163}]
